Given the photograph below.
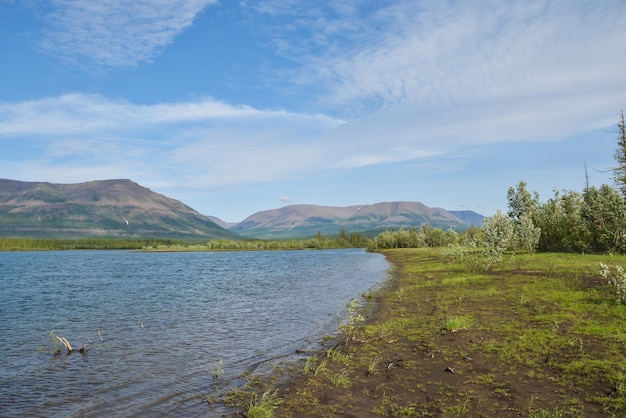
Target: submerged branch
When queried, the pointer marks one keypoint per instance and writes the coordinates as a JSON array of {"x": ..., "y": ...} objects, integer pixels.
[
  {"x": 66, "y": 343},
  {"x": 68, "y": 346}
]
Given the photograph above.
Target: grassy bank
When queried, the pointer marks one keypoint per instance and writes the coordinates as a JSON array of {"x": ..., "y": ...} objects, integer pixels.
[{"x": 538, "y": 336}]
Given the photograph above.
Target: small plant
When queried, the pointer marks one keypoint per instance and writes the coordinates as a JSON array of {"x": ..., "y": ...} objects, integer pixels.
[
  {"x": 461, "y": 409},
  {"x": 523, "y": 300},
  {"x": 554, "y": 413},
  {"x": 336, "y": 355},
  {"x": 56, "y": 348},
  {"x": 371, "y": 368},
  {"x": 616, "y": 280},
  {"x": 350, "y": 326},
  {"x": 457, "y": 323},
  {"x": 311, "y": 367},
  {"x": 454, "y": 253},
  {"x": 264, "y": 407},
  {"x": 217, "y": 372},
  {"x": 341, "y": 379}
]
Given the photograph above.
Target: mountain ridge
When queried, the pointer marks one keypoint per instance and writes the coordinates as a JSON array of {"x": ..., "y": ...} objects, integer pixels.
[
  {"x": 306, "y": 220},
  {"x": 117, "y": 208},
  {"x": 121, "y": 208}
]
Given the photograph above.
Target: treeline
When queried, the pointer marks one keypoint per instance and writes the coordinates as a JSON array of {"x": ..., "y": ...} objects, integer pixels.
[
  {"x": 591, "y": 221},
  {"x": 422, "y": 237},
  {"x": 51, "y": 244},
  {"x": 343, "y": 240},
  {"x": 318, "y": 242}
]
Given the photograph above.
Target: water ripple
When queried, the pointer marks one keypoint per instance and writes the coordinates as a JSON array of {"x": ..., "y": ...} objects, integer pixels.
[{"x": 165, "y": 320}]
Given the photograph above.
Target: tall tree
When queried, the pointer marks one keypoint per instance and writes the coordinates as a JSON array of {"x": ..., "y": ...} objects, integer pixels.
[
  {"x": 604, "y": 212},
  {"x": 619, "y": 172},
  {"x": 521, "y": 201},
  {"x": 561, "y": 222}
]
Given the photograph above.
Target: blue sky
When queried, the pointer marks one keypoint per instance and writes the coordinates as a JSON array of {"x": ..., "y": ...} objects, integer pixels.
[{"x": 235, "y": 107}]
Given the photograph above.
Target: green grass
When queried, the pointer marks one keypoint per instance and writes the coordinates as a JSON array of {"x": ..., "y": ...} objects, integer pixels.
[
  {"x": 457, "y": 323},
  {"x": 532, "y": 322},
  {"x": 265, "y": 406}
]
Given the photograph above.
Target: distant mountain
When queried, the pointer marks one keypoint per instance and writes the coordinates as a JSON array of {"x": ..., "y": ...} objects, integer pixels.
[
  {"x": 306, "y": 220},
  {"x": 223, "y": 224},
  {"x": 468, "y": 216},
  {"x": 105, "y": 208}
]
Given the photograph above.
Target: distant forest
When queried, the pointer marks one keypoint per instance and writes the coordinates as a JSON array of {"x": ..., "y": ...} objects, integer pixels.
[{"x": 591, "y": 221}]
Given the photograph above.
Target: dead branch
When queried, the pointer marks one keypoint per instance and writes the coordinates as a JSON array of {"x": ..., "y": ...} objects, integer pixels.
[{"x": 66, "y": 343}]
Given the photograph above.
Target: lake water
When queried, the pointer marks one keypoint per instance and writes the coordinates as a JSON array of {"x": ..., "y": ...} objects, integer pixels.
[{"x": 166, "y": 320}]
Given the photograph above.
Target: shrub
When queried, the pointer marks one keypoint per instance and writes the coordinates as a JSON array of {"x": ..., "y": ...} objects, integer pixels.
[
  {"x": 616, "y": 280},
  {"x": 498, "y": 232},
  {"x": 354, "y": 319}
]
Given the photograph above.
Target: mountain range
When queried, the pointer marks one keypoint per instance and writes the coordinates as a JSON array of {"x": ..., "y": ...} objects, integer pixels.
[
  {"x": 307, "y": 220},
  {"x": 124, "y": 209}
]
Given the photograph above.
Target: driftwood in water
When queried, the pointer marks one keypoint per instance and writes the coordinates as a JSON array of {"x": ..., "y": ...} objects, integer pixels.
[
  {"x": 68, "y": 346},
  {"x": 66, "y": 343}
]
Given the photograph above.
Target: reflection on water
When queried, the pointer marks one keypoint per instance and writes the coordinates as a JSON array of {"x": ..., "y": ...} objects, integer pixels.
[{"x": 166, "y": 320}]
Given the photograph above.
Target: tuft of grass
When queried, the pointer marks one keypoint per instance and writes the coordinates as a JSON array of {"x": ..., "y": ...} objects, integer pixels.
[
  {"x": 555, "y": 412},
  {"x": 371, "y": 368},
  {"x": 56, "y": 348},
  {"x": 341, "y": 379},
  {"x": 217, "y": 372},
  {"x": 457, "y": 323},
  {"x": 265, "y": 406},
  {"x": 312, "y": 367}
]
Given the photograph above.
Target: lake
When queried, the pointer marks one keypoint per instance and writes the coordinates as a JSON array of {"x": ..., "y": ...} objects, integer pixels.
[{"x": 158, "y": 324}]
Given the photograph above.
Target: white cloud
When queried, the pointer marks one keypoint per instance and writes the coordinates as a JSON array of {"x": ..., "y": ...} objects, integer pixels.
[
  {"x": 116, "y": 33},
  {"x": 430, "y": 77},
  {"x": 440, "y": 55},
  {"x": 206, "y": 142},
  {"x": 78, "y": 113},
  {"x": 445, "y": 56}
]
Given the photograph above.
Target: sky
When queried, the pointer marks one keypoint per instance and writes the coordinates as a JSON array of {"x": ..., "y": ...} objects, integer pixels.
[{"x": 235, "y": 107}]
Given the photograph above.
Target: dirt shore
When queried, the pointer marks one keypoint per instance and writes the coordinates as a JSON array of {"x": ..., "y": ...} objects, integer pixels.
[{"x": 447, "y": 342}]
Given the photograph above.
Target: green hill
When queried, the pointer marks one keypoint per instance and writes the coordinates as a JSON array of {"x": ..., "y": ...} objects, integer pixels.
[{"x": 105, "y": 208}]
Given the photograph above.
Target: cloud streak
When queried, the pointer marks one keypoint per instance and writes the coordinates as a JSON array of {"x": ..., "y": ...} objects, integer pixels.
[
  {"x": 434, "y": 76},
  {"x": 116, "y": 33},
  {"x": 436, "y": 54},
  {"x": 206, "y": 142},
  {"x": 79, "y": 113}
]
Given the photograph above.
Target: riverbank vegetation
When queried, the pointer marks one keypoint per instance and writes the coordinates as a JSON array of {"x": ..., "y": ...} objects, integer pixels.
[
  {"x": 343, "y": 240},
  {"x": 536, "y": 335}
]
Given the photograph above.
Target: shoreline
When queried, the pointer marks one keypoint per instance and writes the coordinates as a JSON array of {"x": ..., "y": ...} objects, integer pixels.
[{"x": 409, "y": 359}]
